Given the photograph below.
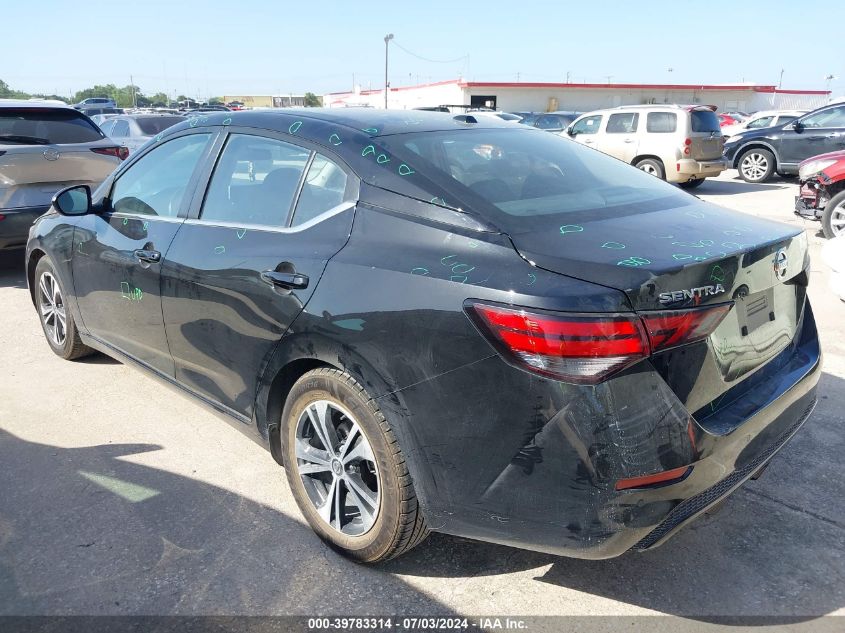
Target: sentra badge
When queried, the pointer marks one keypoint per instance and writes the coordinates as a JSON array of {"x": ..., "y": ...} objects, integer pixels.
[{"x": 691, "y": 293}]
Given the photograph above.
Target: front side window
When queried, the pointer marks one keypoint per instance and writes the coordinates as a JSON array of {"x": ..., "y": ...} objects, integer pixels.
[
  {"x": 255, "y": 182},
  {"x": 834, "y": 117},
  {"x": 763, "y": 121},
  {"x": 156, "y": 184},
  {"x": 324, "y": 189},
  {"x": 587, "y": 125},
  {"x": 661, "y": 122},
  {"x": 549, "y": 122},
  {"x": 624, "y": 123}
]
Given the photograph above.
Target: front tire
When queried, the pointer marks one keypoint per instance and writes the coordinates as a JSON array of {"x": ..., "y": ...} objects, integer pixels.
[
  {"x": 756, "y": 165},
  {"x": 56, "y": 320},
  {"x": 833, "y": 219},
  {"x": 346, "y": 470}
]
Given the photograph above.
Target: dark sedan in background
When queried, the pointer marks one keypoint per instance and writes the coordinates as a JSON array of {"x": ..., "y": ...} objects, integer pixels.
[
  {"x": 759, "y": 154},
  {"x": 443, "y": 323}
]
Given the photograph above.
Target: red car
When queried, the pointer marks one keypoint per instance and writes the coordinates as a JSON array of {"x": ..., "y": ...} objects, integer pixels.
[
  {"x": 822, "y": 193},
  {"x": 727, "y": 119}
]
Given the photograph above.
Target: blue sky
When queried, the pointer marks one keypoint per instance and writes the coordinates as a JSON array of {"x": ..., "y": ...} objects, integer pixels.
[{"x": 212, "y": 47}]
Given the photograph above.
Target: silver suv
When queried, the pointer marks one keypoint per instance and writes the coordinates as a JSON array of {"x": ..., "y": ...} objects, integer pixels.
[
  {"x": 680, "y": 144},
  {"x": 45, "y": 147}
]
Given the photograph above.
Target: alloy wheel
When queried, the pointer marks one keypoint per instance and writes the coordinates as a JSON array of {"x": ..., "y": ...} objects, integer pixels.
[
  {"x": 649, "y": 169},
  {"x": 52, "y": 307},
  {"x": 754, "y": 166},
  {"x": 337, "y": 467},
  {"x": 837, "y": 219}
]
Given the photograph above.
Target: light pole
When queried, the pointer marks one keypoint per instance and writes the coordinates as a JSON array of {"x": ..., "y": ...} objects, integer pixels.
[{"x": 387, "y": 39}]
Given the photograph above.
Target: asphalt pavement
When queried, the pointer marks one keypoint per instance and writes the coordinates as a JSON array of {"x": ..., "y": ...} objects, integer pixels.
[{"x": 119, "y": 496}]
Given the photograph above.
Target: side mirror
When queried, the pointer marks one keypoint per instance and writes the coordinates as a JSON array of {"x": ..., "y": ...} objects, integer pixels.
[
  {"x": 570, "y": 131},
  {"x": 73, "y": 200},
  {"x": 798, "y": 126}
]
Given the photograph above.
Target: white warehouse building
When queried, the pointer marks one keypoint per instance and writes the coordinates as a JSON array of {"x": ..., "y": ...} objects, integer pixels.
[{"x": 548, "y": 97}]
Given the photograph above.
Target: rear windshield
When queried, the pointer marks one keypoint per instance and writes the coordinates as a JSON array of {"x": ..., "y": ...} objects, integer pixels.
[
  {"x": 31, "y": 126},
  {"x": 152, "y": 125},
  {"x": 705, "y": 121},
  {"x": 524, "y": 179}
]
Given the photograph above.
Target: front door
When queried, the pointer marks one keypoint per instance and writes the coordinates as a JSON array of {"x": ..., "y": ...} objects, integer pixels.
[
  {"x": 820, "y": 133},
  {"x": 118, "y": 254},
  {"x": 244, "y": 265}
]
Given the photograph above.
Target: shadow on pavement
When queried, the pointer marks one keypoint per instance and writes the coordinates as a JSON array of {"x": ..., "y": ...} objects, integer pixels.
[
  {"x": 12, "y": 274},
  {"x": 776, "y": 549},
  {"x": 726, "y": 187},
  {"x": 84, "y": 532}
]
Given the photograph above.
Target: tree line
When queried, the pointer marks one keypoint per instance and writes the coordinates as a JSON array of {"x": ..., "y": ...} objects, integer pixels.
[{"x": 125, "y": 97}]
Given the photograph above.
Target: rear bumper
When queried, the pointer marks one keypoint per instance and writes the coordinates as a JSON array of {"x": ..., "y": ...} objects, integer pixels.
[
  {"x": 686, "y": 168},
  {"x": 535, "y": 465},
  {"x": 14, "y": 228}
]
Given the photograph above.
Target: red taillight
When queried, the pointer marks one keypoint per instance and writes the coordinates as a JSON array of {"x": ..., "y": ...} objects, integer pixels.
[
  {"x": 2, "y": 217},
  {"x": 117, "y": 152},
  {"x": 658, "y": 479},
  {"x": 586, "y": 348}
]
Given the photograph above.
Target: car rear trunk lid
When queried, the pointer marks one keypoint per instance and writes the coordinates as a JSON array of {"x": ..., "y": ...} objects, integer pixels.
[{"x": 705, "y": 135}]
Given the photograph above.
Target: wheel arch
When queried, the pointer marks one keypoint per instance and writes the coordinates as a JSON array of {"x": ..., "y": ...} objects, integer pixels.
[
  {"x": 32, "y": 261},
  {"x": 640, "y": 157}
]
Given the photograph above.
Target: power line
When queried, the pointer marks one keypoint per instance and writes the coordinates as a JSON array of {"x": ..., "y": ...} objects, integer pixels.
[{"x": 426, "y": 59}]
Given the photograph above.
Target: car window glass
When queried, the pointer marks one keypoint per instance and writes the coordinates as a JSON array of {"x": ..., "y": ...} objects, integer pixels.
[
  {"x": 324, "y": 189},
  {"x": 107, "y": 126},
  {"x": 549, "y": 122},
  {"x": 704, "y": 121},
  {"x": 121, "y": 128},
  {"x": 39, "y": 126},
  {"x": 624, "y": 123},
  {"x": 587, "y": 125},
  {"x": 763, "y": 121},
  {"x": 834, "y": 117},
  {"x": 661, "y": 122},
  {"x": 255, "y": 181},
  {"x": 157, "y": 182},
  {"x": 152, "y": 125},
  {"x": 784, "y": 119}
]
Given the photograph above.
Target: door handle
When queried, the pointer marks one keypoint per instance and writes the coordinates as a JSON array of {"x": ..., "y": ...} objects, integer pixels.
[
  {"x": 628, "y": 140},
  {"x": 291, "y": 281},
  {"x": 145, "y": 255}
]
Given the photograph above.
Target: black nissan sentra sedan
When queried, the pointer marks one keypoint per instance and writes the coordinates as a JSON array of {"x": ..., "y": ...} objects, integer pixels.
[{"x": 440, "y": 323}]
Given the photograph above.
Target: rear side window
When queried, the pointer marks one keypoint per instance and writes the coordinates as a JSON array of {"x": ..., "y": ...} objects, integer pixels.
[
  {"x": 255, "y": 181},
  {"x": 121, "y": 128},
  {"x": 661, "y": 122},
  {"x": 587, "y": 125},
  {"x": 154, "y": 124},
  {"x": 41, "y": 127},
  {"x": 625, "y": 123},
  {"x": 704, "y": 121},
  {"x": 324, "y": 189}
]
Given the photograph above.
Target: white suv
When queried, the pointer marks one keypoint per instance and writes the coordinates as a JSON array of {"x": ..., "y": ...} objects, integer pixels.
[{"x": 681, "y": 144}]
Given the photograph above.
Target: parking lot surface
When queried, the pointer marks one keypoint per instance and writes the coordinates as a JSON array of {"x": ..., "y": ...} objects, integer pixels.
[{"x": 119, "y": 496}]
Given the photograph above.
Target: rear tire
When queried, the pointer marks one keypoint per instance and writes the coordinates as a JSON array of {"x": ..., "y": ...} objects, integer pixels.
[
  {"x": 756, "y": 165},
  {"x": 652, "y": 166},
  {"x": 357, "y": 495},
  {"x": 691, "y": 184},
  {"x": 56, "y": 320},
  {"x": 833, "y": 219}
]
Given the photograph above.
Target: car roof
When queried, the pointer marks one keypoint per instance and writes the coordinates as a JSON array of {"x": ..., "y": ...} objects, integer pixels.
[
  {"x": 371, "y": 121},
  {"x": 33, "y": 103}
]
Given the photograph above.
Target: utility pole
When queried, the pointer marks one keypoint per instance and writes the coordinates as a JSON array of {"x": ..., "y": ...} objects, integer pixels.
[
  {"x": 132, "y": 83},
  {"x": 780, "y": 81},
  {"x": 387, "y": 39}
]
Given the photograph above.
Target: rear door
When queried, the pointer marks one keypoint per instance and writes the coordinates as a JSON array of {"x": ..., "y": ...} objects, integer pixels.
[
  {"x": 118, "y": 254},
  {"x": 247, "y": 261},
  {"x": 820, "y": 132},
  {"x": 620, "y": 138},
  {"x": 43, "y": 150}
]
